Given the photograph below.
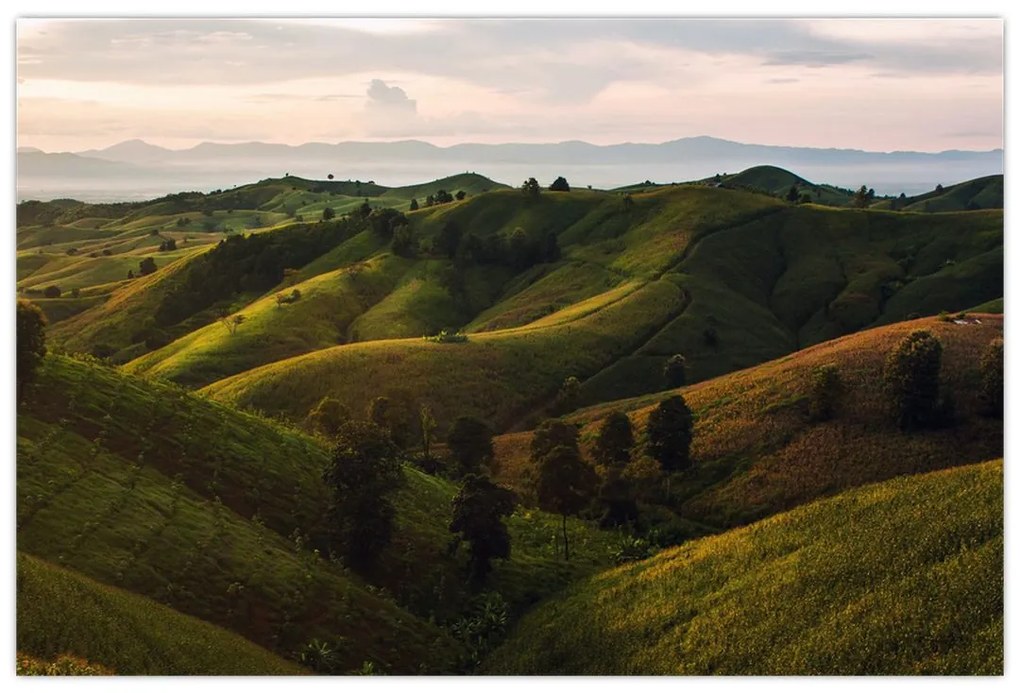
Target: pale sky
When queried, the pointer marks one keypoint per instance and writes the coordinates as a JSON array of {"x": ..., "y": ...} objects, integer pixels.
[{"x": 879, "y": 84}]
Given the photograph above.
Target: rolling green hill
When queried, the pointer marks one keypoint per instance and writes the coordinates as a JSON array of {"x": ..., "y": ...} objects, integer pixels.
[
  {"x": 216, "y": 513},
  {"x": 757, "y": 452},
  {"x": 980, "y": 193},
  {"x": 903, "y": 577},
  {"x": 62, "y": 612},
  {"x": 748, "y": 279}
]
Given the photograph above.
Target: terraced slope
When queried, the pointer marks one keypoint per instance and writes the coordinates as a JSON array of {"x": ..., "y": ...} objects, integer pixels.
[{"x": 902, "y": 577}]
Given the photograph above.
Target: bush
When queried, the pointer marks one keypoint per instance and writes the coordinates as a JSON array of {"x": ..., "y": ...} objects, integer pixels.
[
  {"x": 445, "y": 337},
  {"x": 826, "y": 388},
  {"x": 912, "y": 380},
  {"x": 992, "y": 379},
  {"x": 675, "y": 371},
  {"x": 560, "y": 185},
  {"x": 670, "y": 433},
  {"x": 52, "y": 291},
  {"x": 31, "y": 342}
]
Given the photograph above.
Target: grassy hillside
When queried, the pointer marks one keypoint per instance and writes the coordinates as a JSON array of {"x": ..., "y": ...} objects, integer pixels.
[
  {"x": 215, "y": 513},
  {"x": 756, "y": 450},
  {"x": 778, "y": 181},
  {"x": 903, "y": 577},
  {"x": 62, "y": 612},
  {"x": 980, "y": 193}
]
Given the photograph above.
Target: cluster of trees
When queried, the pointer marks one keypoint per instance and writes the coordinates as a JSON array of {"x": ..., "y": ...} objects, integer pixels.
[
  {"x": 567, "y": 484},
  {"x": 30, "y": 330},
  {"x": 254, "y": 263},
  {"x": 531, "y": 187},
  {"x": 864, "y": 196},
  {"x": 168, "y": 244},
  {"x": 364, "y": 473}
]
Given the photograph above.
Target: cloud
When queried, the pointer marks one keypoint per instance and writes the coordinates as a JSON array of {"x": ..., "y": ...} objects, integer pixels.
[
  {"x": 383, "y": 97},
  {"x": 814, "y": 58}
]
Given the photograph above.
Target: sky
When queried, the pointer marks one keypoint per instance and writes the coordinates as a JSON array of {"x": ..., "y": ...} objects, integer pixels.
[{"x": 874, "y": 84}]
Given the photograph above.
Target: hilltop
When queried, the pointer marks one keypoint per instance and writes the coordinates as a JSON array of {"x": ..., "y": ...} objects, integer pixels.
[
  {"x": 756, "y": 450},
  {"x": 980, "y": 193},
  {"x": 903, "y": 577}
]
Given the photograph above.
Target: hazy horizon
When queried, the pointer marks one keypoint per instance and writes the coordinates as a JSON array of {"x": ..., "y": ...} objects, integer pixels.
[{"x": 923, "y": 85}]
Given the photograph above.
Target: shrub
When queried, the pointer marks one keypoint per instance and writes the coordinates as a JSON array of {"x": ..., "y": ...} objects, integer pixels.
[
  {"x": 445, "y": 337},
  {"x": 912, "y": 380},
  {"x": 478, "y": 511},
  {"x": 992, "y": 380},
  {"x": 670, "y": 432},
  {"x": 52, "y": 291},
  {"x": 675, "y": 371},
  {"x": 146, "y": 266},
  {"x": 826, "y": 388},
  {"x": 328, "y": 416},
  {"x": 560, "y": 185},
  {"x": 31, "y": 342}
]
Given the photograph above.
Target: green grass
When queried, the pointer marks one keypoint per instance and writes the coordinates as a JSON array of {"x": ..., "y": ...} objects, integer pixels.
[
  {"x": 61, "y": 612},
  {"x": 756, "y": 452},
  {"x": 980, "y": 193},
  {"x": 903, "y": 577},
  {"x": 149, "y": 488}
]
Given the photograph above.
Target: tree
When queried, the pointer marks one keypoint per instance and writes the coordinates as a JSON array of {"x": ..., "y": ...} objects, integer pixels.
[
  {"x": 675, "y": 371},
  {"x": 470, "y": 443},
  {"x": 414, "y": 204},
  {"x": 460, "y": 195},
  {"x": 448, "y": 239},
  {"x": 912, "y": 379},
  {"x": 403, "y": 243},
  {"x": 569, "y": 394},
  {"x": 551, "y": 250},
  {"x": 992, "y": 381},
  {"x": 861, "y": 197},
  {"x": 146, "y": 266},
  {"x": 614, "y": 442},
  {"x": 329, "y": 416},
  {"x": 531, "y": 187},
  {"x": 552, "y": 433},
  {"x": 131, "y": 274},
  {"x": 31, "y": 339},
  {"x": 564, "y": 485},
  {"x": 328, "y": 213},
  {"x": 478, "y": 511},
  {"x": 52, "y": 291},
  {"x": 329, "y": 176},
  {"x": 231, "y": 322},
  {"x": 427, "y": 422},
  {"x": 379, "y": 412},
  {"x": 168, "y": 244},
  {"x": 363, "y": 471},
  {"x": 826, "y": 388},
  {"x": 560, "y": 185},
  {"x": 670, "y": 432},
  {"x": 792, "y": 195},
  {"x": 365, "y": 209}
]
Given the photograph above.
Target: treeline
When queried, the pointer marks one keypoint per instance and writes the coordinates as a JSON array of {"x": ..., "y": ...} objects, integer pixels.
[{"x": 253, "y": 263}]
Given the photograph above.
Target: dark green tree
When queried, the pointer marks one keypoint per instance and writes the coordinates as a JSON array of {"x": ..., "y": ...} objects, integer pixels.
[
  {"x": 793, "y": 195},
  {"x": 551, "y": 247},
  {"x": 992, "y": 379},
  {"x": 414, "y": 204},
  {"x": 403, "y": 243},
  {"x": 460, "y": 195},
  {"x": 912, "y": 380},
  {"x": 31, "y": 338},
  {"x": 861, "y": 197},
  {"x": 531, "y": 187},
  {"x": 560, "y": 185},
  {"x": 564, "y": 484},
  {"x": 614, "y": 442},
  {"x": 328, "y": 213},
  {"x": 146, "y": 266},
  {"x": 569, "y": 395},
  {"x": 448, "y": 239},
  {"x": 379, "y": 410},
  {"x": 670, "y": 433},
  {"x": 364, "y": 210},
  {"x": 52, "y": 291},
  {"x": 478, "y": 511},
  {"x": 675, "y": 371},
  {"x": 553, "y": 433},
  {"x": 363, "y": 472},
  {"x": 470, "y": 444},
  {"x": 826, "y": 389},
  {"x": 329, "y": 416}
]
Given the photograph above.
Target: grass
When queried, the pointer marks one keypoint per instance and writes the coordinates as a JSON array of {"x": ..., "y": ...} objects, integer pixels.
[
  {"x": 757, "y": 452},
  {"x": 903, "y": 577},
  {"x": 500, "y": 376},
  {"x": 214, "y": 513},
  {"x": 60, "y": 612},
  {"x": 980, "y": 193}
]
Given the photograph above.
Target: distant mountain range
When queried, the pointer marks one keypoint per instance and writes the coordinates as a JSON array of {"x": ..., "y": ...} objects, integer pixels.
[{"x": 136, "y": 169}]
